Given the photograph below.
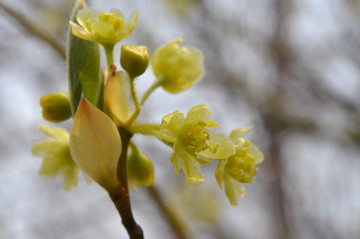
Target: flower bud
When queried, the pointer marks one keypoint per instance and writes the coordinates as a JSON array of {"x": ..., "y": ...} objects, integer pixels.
[
  {"x": 134, "y": 59},
  {"x": 56, "y": 107},
  {"x": 140, "y": 168},
  {"x": 177, "y": 68}
]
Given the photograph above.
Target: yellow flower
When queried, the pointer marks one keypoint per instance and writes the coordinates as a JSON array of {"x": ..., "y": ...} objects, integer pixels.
[
  {"x": 56, "y": 156},
  {"x": 177, "y": 68},
  {"x": 192, "y": 139},
  {"x": 104, "y": 28},
  {"x": 238, "y": 168}
]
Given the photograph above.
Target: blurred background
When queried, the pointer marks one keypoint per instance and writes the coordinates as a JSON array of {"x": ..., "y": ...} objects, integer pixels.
[{"x": 288, "y": 67}]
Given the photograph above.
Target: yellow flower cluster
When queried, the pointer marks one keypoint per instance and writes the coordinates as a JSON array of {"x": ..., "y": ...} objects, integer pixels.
[
  {"x": 193, "y": 144},
  {"x": 96, "y": 141}
]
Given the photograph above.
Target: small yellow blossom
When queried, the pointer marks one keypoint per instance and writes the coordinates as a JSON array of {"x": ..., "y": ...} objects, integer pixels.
[
  {"x": 104, "y": 28},
  {"x": 56, "y": 156},
  {"x": 192, "y": 140},
  {"x": 177, "y": 68},
  {"x": 238, "y": 168}
]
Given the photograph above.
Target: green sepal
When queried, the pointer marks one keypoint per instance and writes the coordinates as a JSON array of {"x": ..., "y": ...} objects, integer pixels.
[{"x": 84, "y": 68}]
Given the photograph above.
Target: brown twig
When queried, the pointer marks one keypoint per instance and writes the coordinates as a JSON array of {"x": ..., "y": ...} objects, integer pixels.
[{"x": 121, "y": 198}]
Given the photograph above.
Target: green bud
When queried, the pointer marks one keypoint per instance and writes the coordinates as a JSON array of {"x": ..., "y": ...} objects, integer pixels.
[
  {"x": 134, "y": 59},
  {"x": 140, "y": 168},
  {"x": 56, "y": 107}
]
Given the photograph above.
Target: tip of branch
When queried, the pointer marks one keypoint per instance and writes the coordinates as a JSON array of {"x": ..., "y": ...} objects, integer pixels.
[{"x": 81, "y": 3}]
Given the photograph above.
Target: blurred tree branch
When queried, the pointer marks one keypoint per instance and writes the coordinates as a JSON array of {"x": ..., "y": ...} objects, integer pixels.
[
  {"x": 33, "y": 30},
  {"x": 235, "y": 84},
  {"x": 178, "y": 227},
  {"x": 282, "y": 58},
  {"x": 272, "y": 108}
]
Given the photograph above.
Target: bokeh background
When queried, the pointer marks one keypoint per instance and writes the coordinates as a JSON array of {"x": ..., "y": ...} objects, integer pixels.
[{"x": 288, "y": 67}]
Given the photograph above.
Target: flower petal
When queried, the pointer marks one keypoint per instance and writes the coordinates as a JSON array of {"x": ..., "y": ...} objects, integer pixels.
[
  {"x": 237, "y": 134},
  {"x": 220, "y": 146},
  {"x": 103, "y": 31},
  {"x": 219, "y": 173},
  {"x": 84, "y": 15},
  {"x": 203, "y": 160},
  {"x": 128, "y": 26},
  {"x": 183, "y": 160},
  {"x": 80, "y": 32},
  {"x": 69, "y": 176},
  {"x": 58, "y": 134},
  {"x": 255, "y": 152},
  {"x": 172, "y": 124},
  {"x": 233, "y": 189},
  {"x": 198, "y": 113},
  {"x": 118, "y": 13}
]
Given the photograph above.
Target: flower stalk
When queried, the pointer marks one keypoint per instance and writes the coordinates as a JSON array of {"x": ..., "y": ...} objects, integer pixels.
[
  {"x": 151, "y": 89},
  {"x": 109, "y": 57},
  {"x": 136, "y": 103}
]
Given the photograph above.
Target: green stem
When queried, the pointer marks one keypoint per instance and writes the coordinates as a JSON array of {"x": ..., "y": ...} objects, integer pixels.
[
  {"x": 136, "y": 103},
  {"x": 121, "y": 198},
  {"x": 158, "y": 135},
  {"x": 109, "y": 57},
  {"x": 147, "y": 93},
  {"x": 139, "y": 127}
]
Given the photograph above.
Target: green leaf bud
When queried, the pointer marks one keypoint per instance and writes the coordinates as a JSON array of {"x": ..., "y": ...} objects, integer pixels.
[
  {"x": 134, "y": 59},
  {"x": 95, "y": 145},
  {"x": 56, "y": 107},
  {"x": 140, "y": 168}
]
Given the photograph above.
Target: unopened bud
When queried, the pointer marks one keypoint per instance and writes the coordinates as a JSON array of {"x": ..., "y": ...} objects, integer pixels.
[
  {"x": 134, "y": 59},
  {"x": 56, "y": 107},
  {"x": 140, "y": 168}
]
